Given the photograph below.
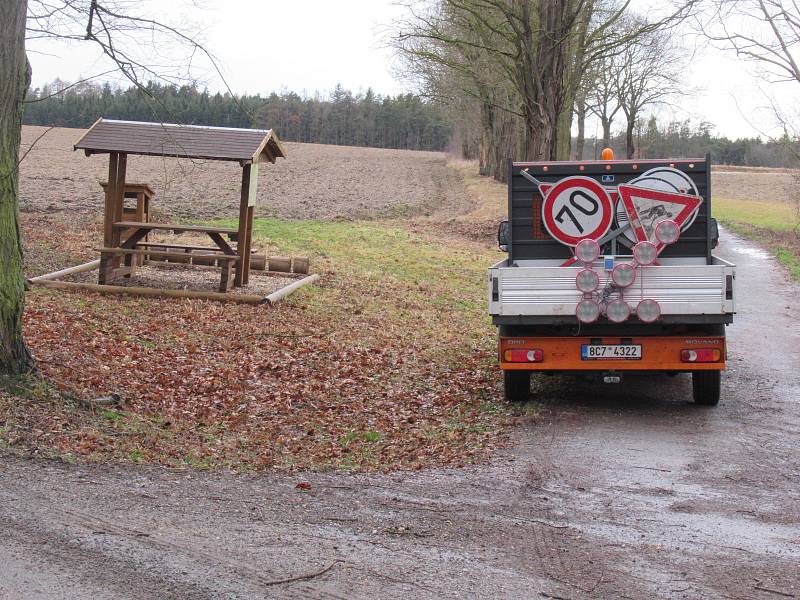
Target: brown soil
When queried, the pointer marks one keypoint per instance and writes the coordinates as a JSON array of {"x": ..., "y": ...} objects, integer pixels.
[
  {"x": 762, "y": 185},
  {"x": 314, "y": 182}
]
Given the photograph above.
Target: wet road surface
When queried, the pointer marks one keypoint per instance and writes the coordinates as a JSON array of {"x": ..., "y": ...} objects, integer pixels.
[{"x": 626, "y": 491}]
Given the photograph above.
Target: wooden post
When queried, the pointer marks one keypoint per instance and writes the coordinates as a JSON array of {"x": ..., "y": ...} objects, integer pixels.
[
  {"x": 119, "y": 199},
  {"x": 107, "y": 260},
  {"x": 111, "y": 193},
  {"x": 249, "y": 184},
  {"x": 248, "y": 249},
  {"x": 119, "y": 209}
]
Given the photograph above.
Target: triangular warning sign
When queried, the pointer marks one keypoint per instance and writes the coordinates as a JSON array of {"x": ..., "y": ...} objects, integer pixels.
[{"x": 646, "y": 208}]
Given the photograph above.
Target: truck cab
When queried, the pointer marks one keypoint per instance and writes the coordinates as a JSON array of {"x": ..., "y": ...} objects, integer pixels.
[{"x": 610, "y": 270}]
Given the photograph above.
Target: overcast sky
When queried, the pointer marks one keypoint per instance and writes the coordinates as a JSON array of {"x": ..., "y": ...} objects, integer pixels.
[{"x": 311, "y": 45}]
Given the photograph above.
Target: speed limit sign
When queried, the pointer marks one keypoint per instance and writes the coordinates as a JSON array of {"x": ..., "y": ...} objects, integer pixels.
[{"x": 576, "y": 208}]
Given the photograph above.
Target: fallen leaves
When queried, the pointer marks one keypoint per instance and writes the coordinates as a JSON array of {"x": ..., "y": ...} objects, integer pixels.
[{"x": 374, "y": 373}]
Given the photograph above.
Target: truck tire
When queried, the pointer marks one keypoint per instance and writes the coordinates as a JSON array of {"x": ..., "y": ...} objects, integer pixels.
[
  {"x": 706, "y": 387},
  {"x": 517, "y": 385}
]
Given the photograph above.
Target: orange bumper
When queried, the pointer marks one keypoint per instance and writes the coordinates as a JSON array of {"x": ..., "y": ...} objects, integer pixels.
[{"x": 658, "y": 353}]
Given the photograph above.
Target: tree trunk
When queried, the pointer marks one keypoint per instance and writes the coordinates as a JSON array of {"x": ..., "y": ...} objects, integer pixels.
[
  {"x": 629, "y": 146},
  {"x": 15, "y": 359},
  {"x": 580, "y": 117},
  {"x": 606, "y": 132}
]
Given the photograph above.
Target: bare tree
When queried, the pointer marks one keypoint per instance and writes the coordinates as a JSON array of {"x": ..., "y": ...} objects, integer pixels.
[
  {"x": 131, "y": 41},
  {"x": 649, "y": 73},
  {"x": 602, "y": 99},
  {"x": 765, "y": 33},
  {"x": 535, "y": 51}
]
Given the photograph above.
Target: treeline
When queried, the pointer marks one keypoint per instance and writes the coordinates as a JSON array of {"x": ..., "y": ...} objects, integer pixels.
[
  {"x": 404, "y": 121},
  {"x": 683, "y": 139},
  {"x": 521, "y": 77}
]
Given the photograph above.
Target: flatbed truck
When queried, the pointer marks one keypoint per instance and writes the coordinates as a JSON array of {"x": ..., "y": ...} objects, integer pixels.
[{"x": 610, "y": 271}]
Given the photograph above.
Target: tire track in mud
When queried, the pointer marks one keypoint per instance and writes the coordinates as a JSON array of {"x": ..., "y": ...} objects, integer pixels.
[{"x": 147, "y": 549}]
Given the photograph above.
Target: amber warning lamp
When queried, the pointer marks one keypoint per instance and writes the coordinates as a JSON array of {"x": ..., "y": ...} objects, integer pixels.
[{"x": 607, "y": 154}]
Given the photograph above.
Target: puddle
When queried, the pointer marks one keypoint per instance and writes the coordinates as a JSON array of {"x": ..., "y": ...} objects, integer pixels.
[{"x": 753, "y": 252}]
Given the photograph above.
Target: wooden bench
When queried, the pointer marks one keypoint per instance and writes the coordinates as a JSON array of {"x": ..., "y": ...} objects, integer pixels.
[
  {"x": 179, "y": 246},
  {"x": 226, "y": 260},
  {"x": 178, "y": 228}
]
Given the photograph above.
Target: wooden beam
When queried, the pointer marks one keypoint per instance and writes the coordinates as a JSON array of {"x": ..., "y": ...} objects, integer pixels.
[
  {"x": 249, "y": 244},
  {"x": 108, "y": 217},
  {"x": 279, "y": 295},
  {"x": 119, "y": 197},
  {"x": 150, "y": 292},
  {"x": 244, "y": 233},
  {"x": 107, "y": 261},
  {"x": 89, "y": 266}
]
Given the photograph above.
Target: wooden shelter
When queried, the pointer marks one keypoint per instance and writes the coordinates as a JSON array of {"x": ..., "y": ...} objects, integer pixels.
[{"x": 123, "y": 246}]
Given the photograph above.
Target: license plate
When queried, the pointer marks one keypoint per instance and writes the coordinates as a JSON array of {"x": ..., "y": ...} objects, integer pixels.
[{"x": 611, "y": 352}]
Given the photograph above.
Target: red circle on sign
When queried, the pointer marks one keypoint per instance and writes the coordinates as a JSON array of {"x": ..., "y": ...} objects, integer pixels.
[{"x": 574, "y": 214}]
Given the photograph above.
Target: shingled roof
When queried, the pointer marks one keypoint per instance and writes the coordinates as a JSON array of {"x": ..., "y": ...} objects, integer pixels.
[{"x": 184, "y": 141}]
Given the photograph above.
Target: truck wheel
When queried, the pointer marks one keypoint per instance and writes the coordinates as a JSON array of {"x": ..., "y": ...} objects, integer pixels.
[
  {"x": 705, "y": 387},
  {"x": 517, "y": 385}
]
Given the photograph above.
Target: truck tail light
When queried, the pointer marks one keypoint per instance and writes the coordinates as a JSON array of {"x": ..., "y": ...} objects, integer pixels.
[
  {"x": 587, "y": 311},
  {"x": 587, "y": 251},
  {"x": 618, "y": 311},
  {"x": 701, "y": 355},
  {"x": 668, "y": 232},
  {"x": 587, "y": 281},
  {"x": 645, "y": 253},
  {"x": 648, "y": 311},
  {"x": 623, "y": 275},
  {"x": 523, "y": 355}
]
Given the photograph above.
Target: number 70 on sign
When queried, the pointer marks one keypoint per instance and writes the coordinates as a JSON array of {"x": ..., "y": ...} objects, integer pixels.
[{"x": 576, "y": 208}]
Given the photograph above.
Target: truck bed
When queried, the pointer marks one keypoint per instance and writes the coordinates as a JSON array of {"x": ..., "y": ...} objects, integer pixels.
[{"x": 540, "y": 290}]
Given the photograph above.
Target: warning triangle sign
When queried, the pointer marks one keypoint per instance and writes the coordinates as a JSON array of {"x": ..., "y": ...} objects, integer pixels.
[{"x": 646, "y": 208}]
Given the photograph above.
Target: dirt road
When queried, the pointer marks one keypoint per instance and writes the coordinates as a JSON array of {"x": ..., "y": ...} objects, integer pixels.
[{"x": 615, "y": 492}]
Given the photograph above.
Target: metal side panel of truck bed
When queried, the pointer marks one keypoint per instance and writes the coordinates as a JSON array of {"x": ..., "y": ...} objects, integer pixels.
[{"x": 688, "y": 290}]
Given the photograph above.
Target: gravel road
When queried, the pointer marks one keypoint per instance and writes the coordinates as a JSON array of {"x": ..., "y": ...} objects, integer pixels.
[{"x": 625, "y": 491}]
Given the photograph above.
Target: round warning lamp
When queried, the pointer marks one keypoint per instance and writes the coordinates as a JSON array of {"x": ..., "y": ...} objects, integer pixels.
[
  {"x": 645, "y": 253},
  {"x": 587, "y": 311},
  {"x": 648, "y": 311},
  {"x": 587, "y": 281},
  {"x": 618, "y": 311},
  {"x": 668, "y": 232},
  {"x": 623, "y": 275},
  {"x": 587, "y": 251}
]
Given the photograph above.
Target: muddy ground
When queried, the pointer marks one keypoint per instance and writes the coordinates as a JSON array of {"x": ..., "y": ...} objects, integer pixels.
[
  {"x": 763, "y": 185},
  {"x": 314, "y": 182},
  {"x": 625, "y": 491}
]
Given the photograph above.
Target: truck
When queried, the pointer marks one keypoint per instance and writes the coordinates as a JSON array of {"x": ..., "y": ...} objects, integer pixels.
[{"x": 610, "y": 271}]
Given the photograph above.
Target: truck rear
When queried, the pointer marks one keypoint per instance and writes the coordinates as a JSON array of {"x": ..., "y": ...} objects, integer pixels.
[{"x": 610, "y": 270}]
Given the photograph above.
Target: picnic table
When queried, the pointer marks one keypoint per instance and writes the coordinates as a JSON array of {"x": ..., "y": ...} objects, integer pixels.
[
  {"x": 133, "y": 246},
  {"x": 125, "y": 231}
]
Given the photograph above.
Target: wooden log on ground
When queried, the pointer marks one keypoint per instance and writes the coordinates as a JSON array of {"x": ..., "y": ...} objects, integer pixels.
[
  {"x": 89, "y": 266},
  {"x": 300, "y": 264},
  {"x": 151, "y": 292},
  {"x": 258, "y": 262},
  {"x": 207, "y": 261},
  {"x": 177, "y": 258},
  {"x": 280, "y": 263},
  {"x": 276, "y": 297}
]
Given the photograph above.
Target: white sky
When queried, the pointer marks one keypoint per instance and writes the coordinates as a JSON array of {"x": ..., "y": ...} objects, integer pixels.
[{"x": 311, "y": 45}]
